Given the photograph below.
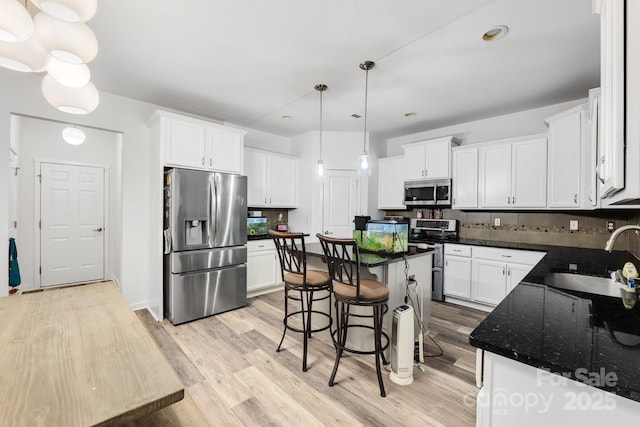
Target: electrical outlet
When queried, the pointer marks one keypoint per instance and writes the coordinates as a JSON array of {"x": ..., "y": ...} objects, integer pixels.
[
  {"x": 611, "y": 226},
  {"x": 496, "y": 222},
  {"x": 573, "y": 225}
]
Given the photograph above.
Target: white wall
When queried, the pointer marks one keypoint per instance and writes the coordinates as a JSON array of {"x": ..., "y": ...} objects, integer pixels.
[
  {"x": 41, "y": 140},
  {"x": 506, "y": 126},
  {"x": 267, "y": 141},
  {"x": 21, "y": 94},
  {"x": 340, "y": 150}
]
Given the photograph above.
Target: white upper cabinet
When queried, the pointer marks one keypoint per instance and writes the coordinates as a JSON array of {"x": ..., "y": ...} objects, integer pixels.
[
  {"x": 513, "y": 173},
  {"x": 272, "y": 179},
  {"x": 224, "y": 150},
  {"x": 567, "y": 152},
  {"x": 464, "y": 177},
  {"x": 391, "y": 183},
  {"x": 197, "y": 144},
  {"x": 612, "y": 103},
  {"x": 428, "y": 159}
]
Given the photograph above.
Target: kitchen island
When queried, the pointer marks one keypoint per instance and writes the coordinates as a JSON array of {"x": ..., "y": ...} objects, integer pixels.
[
  {"x": 392, "y": 270},
  {"x": 561, "y": 348}
]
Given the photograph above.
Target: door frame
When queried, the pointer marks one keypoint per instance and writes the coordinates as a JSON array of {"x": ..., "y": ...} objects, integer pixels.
[{"x": 37, "y": 215}]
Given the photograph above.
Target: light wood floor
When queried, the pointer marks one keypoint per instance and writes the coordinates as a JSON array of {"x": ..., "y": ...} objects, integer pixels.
[{"x": 230, "y": 368}]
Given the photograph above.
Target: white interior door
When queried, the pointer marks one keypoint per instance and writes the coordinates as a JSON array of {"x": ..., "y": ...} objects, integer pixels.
[
  {"x": 71, "y": 224},
  {"x": 341, "y": 199}
]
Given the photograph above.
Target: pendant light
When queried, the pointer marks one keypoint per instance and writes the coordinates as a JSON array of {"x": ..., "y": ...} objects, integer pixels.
[
  {"x": 15, "y": 22},
  {"x": 66, "y": 41},
  {"x": 68, "y": 10},
  {"x": 73, "y": 100},
  {"x": 67, "y": 74},
  {"x": 73, "y": 135},
  {"x": 364, "y": 158},
  {"x": 26, "y": 56},
  {"x": 320, "y": 88}
]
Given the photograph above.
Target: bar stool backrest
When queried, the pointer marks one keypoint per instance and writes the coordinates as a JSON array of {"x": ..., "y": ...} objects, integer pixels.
[
  {"x": 343, "y": 260},
  {"x": 291, "y": 252}
]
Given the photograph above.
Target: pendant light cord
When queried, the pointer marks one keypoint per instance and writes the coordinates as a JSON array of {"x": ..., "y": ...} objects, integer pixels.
[{"x": 366, "y": 103}]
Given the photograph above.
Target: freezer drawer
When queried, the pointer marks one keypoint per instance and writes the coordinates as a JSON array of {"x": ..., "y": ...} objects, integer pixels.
[
  {"x": 191, "y": 296},
  {"x": 207, "y": 259}
]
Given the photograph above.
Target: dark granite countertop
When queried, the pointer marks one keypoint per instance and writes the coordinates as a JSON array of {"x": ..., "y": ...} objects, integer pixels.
[
  {"x": 574, "y": 333},
  {"x": 370, "y": 259}
]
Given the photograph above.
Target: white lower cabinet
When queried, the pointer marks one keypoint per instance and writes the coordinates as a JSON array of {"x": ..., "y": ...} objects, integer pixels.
[
  {"x": 457, "y": 271},
  {"x": 263, "y": 267},
  {"x": 481, "y": 277}
]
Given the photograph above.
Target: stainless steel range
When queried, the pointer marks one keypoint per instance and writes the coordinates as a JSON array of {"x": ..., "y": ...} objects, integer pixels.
[{"x": 432, "y": 234}]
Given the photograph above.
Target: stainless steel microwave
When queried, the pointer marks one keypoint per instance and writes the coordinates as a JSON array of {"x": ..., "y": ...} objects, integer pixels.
[{"x": 428, "y": 192}]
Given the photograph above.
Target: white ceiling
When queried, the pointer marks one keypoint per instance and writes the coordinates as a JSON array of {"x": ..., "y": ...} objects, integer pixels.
[{"x": 250, "y": 62}]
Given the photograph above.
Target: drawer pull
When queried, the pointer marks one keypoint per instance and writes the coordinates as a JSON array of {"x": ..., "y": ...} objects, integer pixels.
[{"x": 506, "y": 256}]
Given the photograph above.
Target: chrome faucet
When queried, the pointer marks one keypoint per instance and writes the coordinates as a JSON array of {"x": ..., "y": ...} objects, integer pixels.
[{"x": 617, "y": 232}]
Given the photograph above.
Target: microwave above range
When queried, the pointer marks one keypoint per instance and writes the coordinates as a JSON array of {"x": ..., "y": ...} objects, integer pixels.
[{"x": 428, "y": 192}]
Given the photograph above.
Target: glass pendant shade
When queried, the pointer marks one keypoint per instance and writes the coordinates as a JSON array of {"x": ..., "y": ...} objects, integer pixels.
[
  {"x": 73, "y": 135},
  {"x": 364, "y": 161},
  {"x": 73, "y": 100},
  {"x": 26, "y": 56},
  {"x": 69, "y": 42},
  {"x": 68, "y": 10},
  {"x": 72, "y": 75},
  {"x": 15, "y": 22}
]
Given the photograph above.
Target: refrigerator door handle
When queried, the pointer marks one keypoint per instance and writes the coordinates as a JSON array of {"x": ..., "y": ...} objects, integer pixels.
[
  {"x": 214, "y": 208},
  {"x": 167, "y": 241}
]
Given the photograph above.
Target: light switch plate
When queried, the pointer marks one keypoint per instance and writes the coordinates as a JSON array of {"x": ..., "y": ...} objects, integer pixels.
[
  {"x": 573, "y": 225},
  {"x": 496, "y": 222}
]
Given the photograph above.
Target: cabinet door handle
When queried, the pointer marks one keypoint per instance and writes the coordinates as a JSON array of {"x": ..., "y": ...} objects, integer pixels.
[
  {"x": 506, "y": 256},
  {"x": 575, "y": 199},
  {"x": 509, "y": 200},
  {"x": 203, "y": 161},
  {"x": 269, "y": 200},
  {"x": 508, "y": 272},
  {"x": 446, "y": 263},
  {"x": 265, "y": 200},
  {"x": 503, "y": 271},
  {"x": 210, "y": 162},
  {"x": 513, "y": 200}
]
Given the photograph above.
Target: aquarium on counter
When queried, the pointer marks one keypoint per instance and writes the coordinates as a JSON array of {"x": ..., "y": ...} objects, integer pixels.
[{"x": 384, "y": 237}]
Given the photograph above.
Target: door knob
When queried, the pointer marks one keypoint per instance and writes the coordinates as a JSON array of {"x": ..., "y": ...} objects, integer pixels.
[{"x": 99, "y": 229}]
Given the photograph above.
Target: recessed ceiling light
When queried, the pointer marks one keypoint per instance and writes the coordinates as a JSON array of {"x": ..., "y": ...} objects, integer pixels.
[
  {"x": 286, "y": 117},
  {"x": 356, "y": 115},
  {"x": 409, "y": 115},
  {"x": 495, "y": 33}
]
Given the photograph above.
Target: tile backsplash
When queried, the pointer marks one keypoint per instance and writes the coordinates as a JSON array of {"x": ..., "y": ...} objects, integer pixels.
[
  {"x": 272, "y": 216},
  {"x": 546, "y": 228}
]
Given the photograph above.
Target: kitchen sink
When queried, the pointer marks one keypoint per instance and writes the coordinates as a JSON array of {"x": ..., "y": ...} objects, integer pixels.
[{"x": 582, "y": 283}]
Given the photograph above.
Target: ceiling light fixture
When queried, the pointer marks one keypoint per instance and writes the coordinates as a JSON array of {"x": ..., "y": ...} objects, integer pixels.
[
  {"x": 495, "y": 33},
  {"x": 67, "y": 74},
  {"x": 73, "y": 135},
  {"x": 73, "y": 100},
  {"x": 320, "y": 88},
  {"x": 364, "y": 158},
  {"x": 72, "y": 42},
  {"x": 59, "y": 42},
  {"x": 68, "y": 10},
  {"x": 26, "y": 56},
  {"x": 15, "y": 22}
]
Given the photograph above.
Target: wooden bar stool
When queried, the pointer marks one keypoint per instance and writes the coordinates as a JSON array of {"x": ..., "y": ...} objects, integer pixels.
[
  {"x": 349, "y": 290},
  {"x": 300, "y": 285}
]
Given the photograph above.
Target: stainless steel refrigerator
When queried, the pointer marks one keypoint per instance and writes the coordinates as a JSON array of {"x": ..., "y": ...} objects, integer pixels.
[{"x": 205, "y": 236}]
